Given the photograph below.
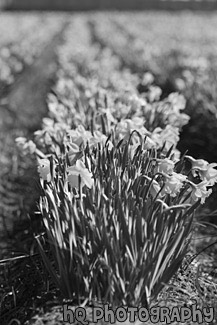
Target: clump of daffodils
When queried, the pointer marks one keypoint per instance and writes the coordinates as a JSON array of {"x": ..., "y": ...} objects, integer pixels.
[
  {"x": 112, "y": 193},
  {"x": 207, "y": 175},
  {"x": 174, "y": 182},
  {"x": 107, "y": 204}
]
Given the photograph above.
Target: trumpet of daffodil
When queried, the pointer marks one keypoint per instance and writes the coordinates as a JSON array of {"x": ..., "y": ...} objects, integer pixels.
[
  {"x": 165, "y": 166},
  {"x": 173, "y": 184},
  {"x": 76, "y": 170}
]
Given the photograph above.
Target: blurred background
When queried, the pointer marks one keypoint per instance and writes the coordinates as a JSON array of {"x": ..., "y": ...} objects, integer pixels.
[{"x": 108, "y": 4}]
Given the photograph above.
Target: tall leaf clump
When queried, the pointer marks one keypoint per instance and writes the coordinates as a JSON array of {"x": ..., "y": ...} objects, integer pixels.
[
  {"x": 117, "y": 200},
  {"x": 119, "y": 236}
]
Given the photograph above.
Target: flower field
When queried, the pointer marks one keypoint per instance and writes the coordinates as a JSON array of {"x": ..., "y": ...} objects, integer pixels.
[
  {"x": 124, "y": 161},
  {"x": 19, "y": 46}
]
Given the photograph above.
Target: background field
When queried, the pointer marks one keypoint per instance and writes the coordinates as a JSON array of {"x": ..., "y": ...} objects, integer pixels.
[{"x": 109, "y": 4}]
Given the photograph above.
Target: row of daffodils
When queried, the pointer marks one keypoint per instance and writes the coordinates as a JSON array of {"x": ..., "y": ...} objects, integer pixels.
[
  {"x": 20, "y": 45},
  {"x": 117, "y": 197},
  {"x": 186, "y": 64},
  {"x": 142, "y": 47}
]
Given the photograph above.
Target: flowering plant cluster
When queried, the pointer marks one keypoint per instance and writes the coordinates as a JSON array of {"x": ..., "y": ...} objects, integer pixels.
[
  {"x": 117, "y": 199},
  {"x": 183, "y": 65}
]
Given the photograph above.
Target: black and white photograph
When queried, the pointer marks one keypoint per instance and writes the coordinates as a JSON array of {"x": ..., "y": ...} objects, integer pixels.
[{"x": 108, "y": 162}]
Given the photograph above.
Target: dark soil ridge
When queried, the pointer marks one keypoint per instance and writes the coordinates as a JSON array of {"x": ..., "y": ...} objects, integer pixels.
[{"x": 21, "y": 114}]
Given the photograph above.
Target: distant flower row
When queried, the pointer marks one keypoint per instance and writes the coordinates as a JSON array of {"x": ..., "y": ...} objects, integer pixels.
[
  {"x": 20, "y": 44},
  {"x": 181, "y": 59}
]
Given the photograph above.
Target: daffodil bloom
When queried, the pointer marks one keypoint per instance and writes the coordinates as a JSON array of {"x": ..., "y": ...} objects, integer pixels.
[
  {"x": 154, "y": 93},
  {"x": 205, "y": 170},
  {"x": 178, "y": 101},
  {"x": 122, "y": 109},
  {"x": 80, "y": 135},
  {"x": 126, "y": 127},
  {"x": 173, "y": 184},
  {"x": 44, "y": 169},
  {"x": 79, "y": 169},
  {"x": 176, "y": 155},
  {"x": 73, "y": 152},
  {"x": 149, "y": 143},
  {"x": 178, "y": 120},
  {"x": 148, "y": 78},
  {"x": 56, "y": 110},
  {"x": 135, "y": 102},
  {"x": 169, "y": 136},
  {"x": 43, "y": 137},
  {"x": 26, "y": 146},
  {"x": 210, "y": 174},
  {"x": 165, "y": 166},
  {"x": 200, "y": 191},
  {"x": 99, "y": 137}
]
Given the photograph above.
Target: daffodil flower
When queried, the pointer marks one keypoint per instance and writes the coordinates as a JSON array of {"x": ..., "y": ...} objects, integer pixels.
[
  {"x": 44, "y": 169},
  {"x": 149, "y": 143},
  {"x": 169, "y": 136},
  {"x": 126, "y": 127},
  {"x": 99, "y": 137},
  {"x": 136, "y": 102},
  {"x": 76, "y": 170},
  {"x": 173, "y": 184},
  {"x": 73, "y": 152},
  {"x": 205, "y": 170},
  {"x": 26, "y": 146},
  {"x": 178, "y": 101},
  {"x": 80, "y": 135},
  {"x": 200, "y": 191},
  {"x": 154, "y": 93},
  {"x": 165, "y": 166}
]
